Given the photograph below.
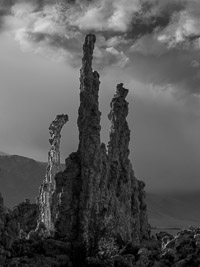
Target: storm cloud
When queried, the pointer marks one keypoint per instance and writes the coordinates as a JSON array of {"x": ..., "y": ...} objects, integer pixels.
[{"x": 153, "y": 31}]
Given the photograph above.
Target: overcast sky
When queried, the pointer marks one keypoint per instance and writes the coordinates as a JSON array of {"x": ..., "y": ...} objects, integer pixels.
[{"x": 152, "y": 46}]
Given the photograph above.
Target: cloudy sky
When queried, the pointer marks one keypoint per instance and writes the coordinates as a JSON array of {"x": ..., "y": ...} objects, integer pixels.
[{"x": 152, "y": 46}]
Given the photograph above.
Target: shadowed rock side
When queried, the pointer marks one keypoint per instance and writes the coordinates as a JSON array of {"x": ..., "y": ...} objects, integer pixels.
[
  {"x": 98, "y": 194},
  {"x": 48, "y": 186},
  {"x": 126, "y": 203},
  {"x": 16, "y": 223}
]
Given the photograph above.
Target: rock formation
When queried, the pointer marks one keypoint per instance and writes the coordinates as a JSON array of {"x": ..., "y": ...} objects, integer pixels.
[
  {"x": 127, "y": 204},
  {"x": 14, "y": 225},
  {"x": 95, "y": 208},
  {"x": 53, "y": 167},
  {"x": 77, "y": 188},
  {"x": 97, "y": 194},
  {"x": 26, "y": 215},
  {"x": 96, "y": 205}
]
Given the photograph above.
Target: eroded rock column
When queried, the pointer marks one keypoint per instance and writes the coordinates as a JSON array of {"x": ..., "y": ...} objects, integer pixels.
[
  {"x": 118, "y": 147},
  {"x": 48, "y": 186},
  {"x": 88, "y": 113},
  {"x": 126, "y": 197},
  {"x": 89, "y": 140},
  {"x": 77, "y": 188}
]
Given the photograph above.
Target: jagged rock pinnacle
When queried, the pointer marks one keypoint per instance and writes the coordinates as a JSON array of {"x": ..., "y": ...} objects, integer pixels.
[
  {"x": 53, "y": 167},
  {"x": 88, "y": 46},
  {"x": 54, "y": 153},
  {"x": 89, "y": 114},
  {"x": 120, "y": 133},
  {"x": 97, "y": 194},
  {"x": 89, "y": 149},
  {"x": 88, "y": 49}
]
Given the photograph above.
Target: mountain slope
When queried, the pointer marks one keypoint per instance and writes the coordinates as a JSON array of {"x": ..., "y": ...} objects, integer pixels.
[
  {"x": 3, "y": 153},
  {"x": 174, "y": 210},
  {"x": 20, "y": 178}
]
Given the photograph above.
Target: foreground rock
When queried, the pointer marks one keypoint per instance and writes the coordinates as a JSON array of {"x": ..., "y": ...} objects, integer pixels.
[
  {"x": 18, "y": 248},
  {"x": 162, "y": 250},
  {"x": 183, "y": 249}
]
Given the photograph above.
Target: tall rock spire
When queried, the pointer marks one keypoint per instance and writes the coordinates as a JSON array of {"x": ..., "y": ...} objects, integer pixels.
[
  {"x": 118, "y": 147},
  {"x": 77, "y": 188},
  {"x": 126, "y": 192},
  {"x": 88, "y": 114},
  {"x": 48, "y": 186},
  {"x": 89, "y": 138}
]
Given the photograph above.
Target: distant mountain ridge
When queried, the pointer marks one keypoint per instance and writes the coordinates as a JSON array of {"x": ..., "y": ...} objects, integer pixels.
[
  {"x": 3, "y": 153},
  {"x": 174, "y": 210},
  {"x": 20, "y": 178}
]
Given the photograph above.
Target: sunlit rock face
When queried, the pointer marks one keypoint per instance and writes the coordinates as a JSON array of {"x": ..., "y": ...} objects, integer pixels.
[
  {"x": 97, "y": 194},
  {"x": 48, "y": 186}
]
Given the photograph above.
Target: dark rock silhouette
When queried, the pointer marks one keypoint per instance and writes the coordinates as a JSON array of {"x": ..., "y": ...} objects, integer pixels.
[
  {"x": 18, "y": 222},
  {"x": 97, "y": 193},
  {"x": 15, "y": 225}
]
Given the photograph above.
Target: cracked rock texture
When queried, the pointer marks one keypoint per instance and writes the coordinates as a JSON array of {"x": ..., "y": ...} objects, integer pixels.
[{"x": 97, "y": 194}]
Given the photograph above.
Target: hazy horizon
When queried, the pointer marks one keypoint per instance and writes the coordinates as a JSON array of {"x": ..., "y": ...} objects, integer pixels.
[{"x": 158, "y": 61}]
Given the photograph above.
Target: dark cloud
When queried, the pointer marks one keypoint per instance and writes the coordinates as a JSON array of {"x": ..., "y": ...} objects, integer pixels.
[
  {"x": 55, "y": 40},
  {"x": 152, "y": 17},
  {"x": 4, "y": 11},
  {"x": 163, "y": 36},
  {"x": 176, "y": 69}
]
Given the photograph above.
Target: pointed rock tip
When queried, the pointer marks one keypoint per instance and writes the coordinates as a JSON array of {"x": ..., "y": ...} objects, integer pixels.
[
  {"x": 59, "y": 121},
  {"x": 62, "y": 117},
  {"x": 121, "y": 91},
  {"x": 90, "y": 39}
]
